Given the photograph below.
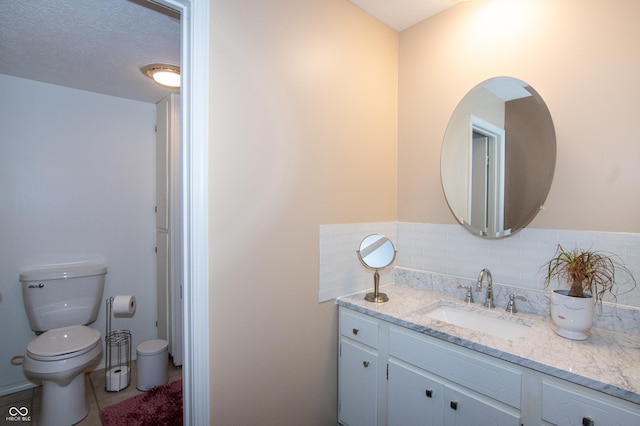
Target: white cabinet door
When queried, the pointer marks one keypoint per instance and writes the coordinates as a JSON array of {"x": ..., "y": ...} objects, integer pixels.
[
  {"x": 163, "y": 142},
  {"x": 464, "y": 408},
  {"x": 162, "y": 276},
  {"x": 169, "y": 223},
  {"x": 418, "y": 398},
  {"x": 414, "y": 398},
  {"x": 357, "y": 385},
  {"x": 466, "y": 368}
]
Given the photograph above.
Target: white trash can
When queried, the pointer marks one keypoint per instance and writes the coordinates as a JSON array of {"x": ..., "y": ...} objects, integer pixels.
[{"x": 152, "y": 364}]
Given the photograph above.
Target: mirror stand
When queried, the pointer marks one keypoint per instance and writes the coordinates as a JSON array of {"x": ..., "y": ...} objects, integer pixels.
[
  {"x": 376, "y": 296},
  {"x": 376, "y": 253}
]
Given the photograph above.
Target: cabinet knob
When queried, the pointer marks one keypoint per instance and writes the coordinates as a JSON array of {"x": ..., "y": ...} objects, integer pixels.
[
  {"x": 365, "y": 363},
  {"x": 355, "y": 331},
  {"x": 429, "y": 393},
  {"x": 587, "y": 421},
  {"x": 453, "y": 405}
]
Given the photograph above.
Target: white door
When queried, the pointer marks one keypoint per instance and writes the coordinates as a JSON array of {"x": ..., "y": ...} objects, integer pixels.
[
  {"x": 169, "y": 225},
  {"x": 162, "y": 219}
]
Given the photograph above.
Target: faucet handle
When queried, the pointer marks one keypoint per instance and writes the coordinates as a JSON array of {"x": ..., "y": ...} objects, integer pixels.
[
  {"x": 469, "y": 296},
  {"x": 511, "y": 306}
]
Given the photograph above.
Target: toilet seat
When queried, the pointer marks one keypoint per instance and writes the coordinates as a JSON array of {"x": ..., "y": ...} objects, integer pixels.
[{"x": 63, "y": 343}]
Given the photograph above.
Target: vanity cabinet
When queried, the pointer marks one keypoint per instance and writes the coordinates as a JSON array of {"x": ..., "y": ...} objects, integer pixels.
[
  {"x": 391, "y": 375},
  {"x": 432, "y": 384}
]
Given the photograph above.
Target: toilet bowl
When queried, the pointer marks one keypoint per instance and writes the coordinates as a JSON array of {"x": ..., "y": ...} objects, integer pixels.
[
  {"x": 60, "y": 301},
  {"x": 58, "y": 357}
]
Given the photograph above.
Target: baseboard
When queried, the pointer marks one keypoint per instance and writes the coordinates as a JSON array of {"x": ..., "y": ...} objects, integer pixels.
[{"x": 16, "y": 387}]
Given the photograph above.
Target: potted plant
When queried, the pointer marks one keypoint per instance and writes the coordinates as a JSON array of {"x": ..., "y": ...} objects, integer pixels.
[{"x": 590, "y": 275}]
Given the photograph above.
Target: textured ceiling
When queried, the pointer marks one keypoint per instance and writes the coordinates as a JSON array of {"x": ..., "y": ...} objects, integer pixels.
[
  {"x": 100, "y": 45},
  {"x": 93, "y": 45},
  {"x": 401, "y": 14}
]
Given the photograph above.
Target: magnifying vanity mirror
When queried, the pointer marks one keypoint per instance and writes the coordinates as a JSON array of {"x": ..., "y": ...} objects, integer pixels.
[
  {"x": 498, "y": 157},
  {"x": 376, "y": 252}
]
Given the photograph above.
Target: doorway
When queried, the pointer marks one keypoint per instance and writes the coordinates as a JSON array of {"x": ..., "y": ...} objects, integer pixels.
[
  {"x": 195, "y": 137},
  {"x": 486, "y": 177}
]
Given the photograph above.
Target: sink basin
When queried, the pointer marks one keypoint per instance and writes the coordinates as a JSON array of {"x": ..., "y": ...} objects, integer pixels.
[{"x": 492, "y": 322}]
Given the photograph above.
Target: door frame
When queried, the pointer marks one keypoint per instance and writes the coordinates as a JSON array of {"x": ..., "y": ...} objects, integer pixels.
[
  {"x": 495, "y": 174},
  {"x": 194, "y": 132}
]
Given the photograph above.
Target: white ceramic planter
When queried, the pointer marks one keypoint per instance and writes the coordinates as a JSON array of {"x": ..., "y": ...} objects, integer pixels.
[{"x": 572, "y": 315}]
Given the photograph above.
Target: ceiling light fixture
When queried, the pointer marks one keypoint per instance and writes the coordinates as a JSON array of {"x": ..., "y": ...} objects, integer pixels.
[{"x": 164, "y": 74}]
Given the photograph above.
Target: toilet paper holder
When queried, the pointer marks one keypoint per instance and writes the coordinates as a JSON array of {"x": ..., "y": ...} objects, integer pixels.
[{"x": 117, "y": 358}]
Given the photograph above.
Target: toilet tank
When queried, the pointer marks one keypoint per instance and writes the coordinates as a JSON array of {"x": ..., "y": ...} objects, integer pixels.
[{"x": 62, "y": 296}]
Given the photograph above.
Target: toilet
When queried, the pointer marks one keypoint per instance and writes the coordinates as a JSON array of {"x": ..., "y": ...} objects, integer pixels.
[{"x": 59, "y": 303}]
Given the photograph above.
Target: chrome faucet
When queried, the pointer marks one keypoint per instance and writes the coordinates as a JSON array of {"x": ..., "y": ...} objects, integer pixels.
[
  {"x": 468, "y": 297},
  {"x": 511, "y": 306},
  {"x": 488, "y": 299}
]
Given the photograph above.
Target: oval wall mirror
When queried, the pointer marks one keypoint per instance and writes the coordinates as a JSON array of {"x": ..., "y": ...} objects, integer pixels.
[
  {"x": 376, "y": 252},
  {"x": 498, "y": 157}
]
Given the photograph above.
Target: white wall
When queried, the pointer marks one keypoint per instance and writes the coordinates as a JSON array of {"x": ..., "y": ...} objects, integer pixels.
[{"x": 77, "y": 179}]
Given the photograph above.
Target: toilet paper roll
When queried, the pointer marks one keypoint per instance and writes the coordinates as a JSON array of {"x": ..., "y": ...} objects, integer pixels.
[
  {"x": 124, "y": 305},
  {"x": 117, "y": 378}
]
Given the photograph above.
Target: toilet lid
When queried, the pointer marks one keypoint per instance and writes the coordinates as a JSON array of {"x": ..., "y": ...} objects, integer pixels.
[{"x": 76, "y": 339}]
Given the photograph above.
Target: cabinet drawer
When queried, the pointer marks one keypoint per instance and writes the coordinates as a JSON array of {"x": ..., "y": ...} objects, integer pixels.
[
  {"x": 564, "y": 406},
  {"x": 464, "y": 408},
  {"x": 359, "y": 327},
  {"x": 465, "y": 368}
]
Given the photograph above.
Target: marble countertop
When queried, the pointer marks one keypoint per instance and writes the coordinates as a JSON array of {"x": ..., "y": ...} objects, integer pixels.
[{"x": 607, "y": 361}]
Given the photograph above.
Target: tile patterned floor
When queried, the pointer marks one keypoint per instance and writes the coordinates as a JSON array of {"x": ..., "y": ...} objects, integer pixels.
[{"x": 96, "y": 393}]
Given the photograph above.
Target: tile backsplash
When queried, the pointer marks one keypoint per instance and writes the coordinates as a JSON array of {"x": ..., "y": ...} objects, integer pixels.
[
  {"x": 516, "y": 261},
  {"x": 447, "y": 256},
  {"x": 340, "y": 270}
]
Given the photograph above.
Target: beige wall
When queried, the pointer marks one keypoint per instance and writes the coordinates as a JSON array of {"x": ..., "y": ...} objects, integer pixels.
[
  {"x": 580, "y": 55},
  {"x": 304, "y": 133}
]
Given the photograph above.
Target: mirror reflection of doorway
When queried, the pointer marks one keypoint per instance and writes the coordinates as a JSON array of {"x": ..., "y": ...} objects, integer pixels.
[
  {"x": 480, "y": 188},
  {"x": 486, "y": 184}
]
